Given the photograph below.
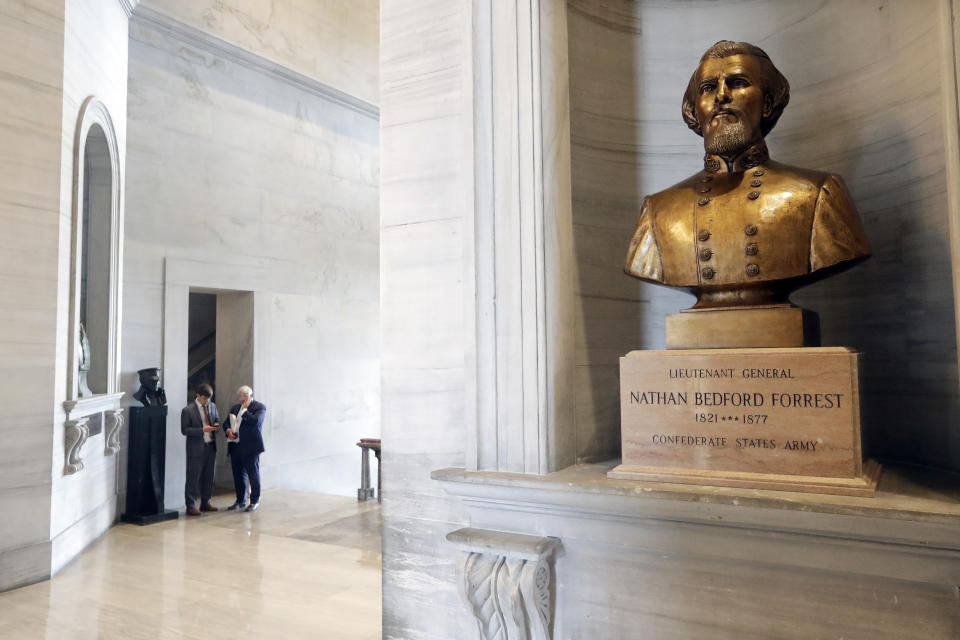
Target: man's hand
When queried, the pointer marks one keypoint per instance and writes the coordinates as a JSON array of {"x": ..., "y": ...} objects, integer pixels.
[
  {"x": 246, "y": 403},
  {"x": 209, "y": 428},
  {"x": 231, "y": 435}
]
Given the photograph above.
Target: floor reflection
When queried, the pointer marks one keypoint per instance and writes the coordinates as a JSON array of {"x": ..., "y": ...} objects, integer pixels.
[{"x": 305, "y": 565}]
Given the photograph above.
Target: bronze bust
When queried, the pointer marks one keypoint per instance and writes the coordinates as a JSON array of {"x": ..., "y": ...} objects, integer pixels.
[{"x": 745, "y": 230}]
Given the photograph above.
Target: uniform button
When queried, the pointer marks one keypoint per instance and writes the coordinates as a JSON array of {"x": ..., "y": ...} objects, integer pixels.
[
  {"x": 755, "y": 183},
  {"x": 758, "y": 172},
  {"x": 703, "y": 201},
  {"x": 753, "y": 269},
  {"x": 753, "y": 195},
  {"x": 752, "y": 249},
  {"x": 750, "y": 229},
  {"x": 706, "y": 179},
  {"x": 703, "y": 236},
  {"x": 707, "y": 273},
  {"x": 705, "y": 254},
  {"x": 704, "y": 189}
]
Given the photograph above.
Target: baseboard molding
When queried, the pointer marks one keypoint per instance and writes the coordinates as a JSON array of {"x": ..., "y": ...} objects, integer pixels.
[
  {"x": 24, "y": 565},
  {"x": 78, "y": 536}
]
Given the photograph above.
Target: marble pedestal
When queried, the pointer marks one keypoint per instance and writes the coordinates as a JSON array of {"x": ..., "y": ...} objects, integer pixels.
[
  {"x": 785, "y": 419},
  {"x": 775, "y": 325}
]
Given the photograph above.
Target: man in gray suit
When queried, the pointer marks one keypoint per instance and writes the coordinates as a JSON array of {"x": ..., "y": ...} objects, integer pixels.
[{"x": 199, "y": 421}]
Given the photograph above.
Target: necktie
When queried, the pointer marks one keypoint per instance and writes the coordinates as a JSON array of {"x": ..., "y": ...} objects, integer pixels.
[{"x": 206, "y": 414}]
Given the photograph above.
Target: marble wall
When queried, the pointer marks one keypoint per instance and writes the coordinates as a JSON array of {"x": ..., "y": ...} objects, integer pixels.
[
  {"x": 425, "y": 123},
  {"x": 31, "y": 81},
  {"x": 629, "y": 64},
  {"x": 84, "y": 505},
  {"x": 333, "y": 41},
  {"x": 56, "y": 55},
  {"x": 242, "y": 180}
]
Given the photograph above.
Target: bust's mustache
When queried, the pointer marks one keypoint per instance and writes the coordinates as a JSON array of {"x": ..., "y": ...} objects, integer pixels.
[{"x": 724, "y": 111}]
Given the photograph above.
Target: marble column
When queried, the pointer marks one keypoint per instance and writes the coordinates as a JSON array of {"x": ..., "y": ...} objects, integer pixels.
[{"x": 518, "y": 241}]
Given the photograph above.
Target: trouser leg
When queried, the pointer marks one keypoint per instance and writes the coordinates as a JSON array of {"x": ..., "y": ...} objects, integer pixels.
[
  {"x": 191, "y": 489},
  {"x": 239, "y": 479},
  {"x": 207, "y": 472},
  {"x": 251, "y": 464}
]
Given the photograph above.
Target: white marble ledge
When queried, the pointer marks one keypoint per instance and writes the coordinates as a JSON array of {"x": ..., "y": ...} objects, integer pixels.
[
  {"x": 501, "y": 543},
  {"x": 913, "y": 506},
  {"x": 92, "y": 404}
]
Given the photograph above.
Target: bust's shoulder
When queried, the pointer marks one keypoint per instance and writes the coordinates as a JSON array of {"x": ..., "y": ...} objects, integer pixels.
[
  {"x": 799, "y": 179},
  {"x": 678, "y": 194}
]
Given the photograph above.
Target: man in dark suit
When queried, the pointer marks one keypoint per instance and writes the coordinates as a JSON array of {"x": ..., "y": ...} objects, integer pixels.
[
  {"x": 199, "y": 421},
  {"x": 245, "y": 444}
]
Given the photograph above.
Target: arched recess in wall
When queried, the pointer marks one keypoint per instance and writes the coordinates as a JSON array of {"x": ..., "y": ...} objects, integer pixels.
[
  {"x": 96, "y": 251},
  {"x": 93, "y": 396}
]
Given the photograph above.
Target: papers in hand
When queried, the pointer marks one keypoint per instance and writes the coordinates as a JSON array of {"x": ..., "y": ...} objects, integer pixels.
[{"x": 235, "y": 425}]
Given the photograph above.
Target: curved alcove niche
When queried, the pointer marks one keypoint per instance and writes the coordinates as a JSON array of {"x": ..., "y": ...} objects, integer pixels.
[
  {"x": 93, "y": 399},
  {"x": 872, "y": 100}
]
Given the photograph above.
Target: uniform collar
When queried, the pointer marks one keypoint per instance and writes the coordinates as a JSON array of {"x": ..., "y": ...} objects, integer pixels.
[{"x": 748, "y": 159}]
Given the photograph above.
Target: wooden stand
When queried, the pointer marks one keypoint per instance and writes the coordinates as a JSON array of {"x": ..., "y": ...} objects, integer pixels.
[{"x": 783, "y": 419}]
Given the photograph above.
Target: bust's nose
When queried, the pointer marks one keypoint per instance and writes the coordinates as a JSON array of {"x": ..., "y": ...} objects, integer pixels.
[{"x": 723, "y": 93}]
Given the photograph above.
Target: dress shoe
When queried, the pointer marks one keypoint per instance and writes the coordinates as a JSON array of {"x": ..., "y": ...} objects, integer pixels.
[
  {"x": 208, "y": 507},
  {"x": 193, "y": 511},
  {"x": 253, "y": 506},
  {"x": 237, "y": 506}
]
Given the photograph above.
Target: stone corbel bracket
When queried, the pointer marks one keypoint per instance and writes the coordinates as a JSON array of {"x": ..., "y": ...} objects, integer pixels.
[
  {"x": 76, "y": 427},
  {"x": 506, "y": 581},
  {"x": 75, "y": 436},
  {"x": 111, "y": 443}
]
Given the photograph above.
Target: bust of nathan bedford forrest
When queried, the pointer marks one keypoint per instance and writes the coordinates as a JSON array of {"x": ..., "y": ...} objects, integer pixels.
[{"x": 745, "y": 230}]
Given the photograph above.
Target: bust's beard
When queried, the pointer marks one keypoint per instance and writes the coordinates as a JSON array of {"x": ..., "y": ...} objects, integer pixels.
[{"x": 727, "y": 140}]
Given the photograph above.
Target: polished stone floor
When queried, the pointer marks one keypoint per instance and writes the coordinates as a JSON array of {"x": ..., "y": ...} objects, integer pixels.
[{"x": 304, "y": 566}]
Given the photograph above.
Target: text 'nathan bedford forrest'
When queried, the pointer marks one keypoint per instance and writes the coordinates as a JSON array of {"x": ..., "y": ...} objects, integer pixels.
[{"x": 780, "y": 400}]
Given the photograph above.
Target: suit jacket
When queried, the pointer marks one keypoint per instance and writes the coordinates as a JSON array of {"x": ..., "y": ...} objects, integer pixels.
[
  {"x": 191, "y": 425},
  {"x": 251, "y": 429},
  {"x": 762, "y": 221}
]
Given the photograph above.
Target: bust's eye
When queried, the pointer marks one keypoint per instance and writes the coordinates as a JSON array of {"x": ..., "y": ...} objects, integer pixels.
[
  {"x": 707, "y": 87},
  {"x": 738, "y": 83}
]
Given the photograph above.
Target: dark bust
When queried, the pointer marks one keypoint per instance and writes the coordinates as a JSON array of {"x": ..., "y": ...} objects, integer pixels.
[{"x": 150, "y": 394}]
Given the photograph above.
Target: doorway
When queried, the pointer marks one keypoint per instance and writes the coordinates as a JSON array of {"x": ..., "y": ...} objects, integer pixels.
[{"x": 221, "y": 355}]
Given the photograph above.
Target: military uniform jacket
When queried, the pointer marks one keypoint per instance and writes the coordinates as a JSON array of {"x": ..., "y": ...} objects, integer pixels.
[{"x": 760, "y": 221}]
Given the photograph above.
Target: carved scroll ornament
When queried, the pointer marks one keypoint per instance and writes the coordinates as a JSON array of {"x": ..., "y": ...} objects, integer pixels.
[
  {"x": 111, "y": 443},
  {"x": 75, "y": 436},
  {"x": 506, "y": 582}
]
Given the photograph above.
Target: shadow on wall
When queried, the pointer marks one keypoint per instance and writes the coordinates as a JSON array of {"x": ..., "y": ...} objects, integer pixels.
[
  {"x": 629, "y": 65},
  {"x": 605, "y": 136}
]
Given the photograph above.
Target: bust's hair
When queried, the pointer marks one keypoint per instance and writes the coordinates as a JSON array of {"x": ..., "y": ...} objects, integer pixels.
[
  {"x": 774, "y": 84},
  {"x": 245, "y": 390}
]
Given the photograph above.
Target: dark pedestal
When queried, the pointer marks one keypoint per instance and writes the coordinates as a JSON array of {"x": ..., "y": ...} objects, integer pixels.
[{"x": 146, "y": 457}]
